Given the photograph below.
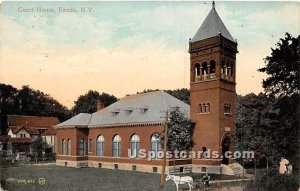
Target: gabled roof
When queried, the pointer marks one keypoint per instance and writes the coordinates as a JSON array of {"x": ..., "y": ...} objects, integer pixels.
[
  {"x": 16, "y": 129},
  {"x": 212, "y": 26},
  {"x": 139, "y": 109},
  {"x": 31, "y": 123}
]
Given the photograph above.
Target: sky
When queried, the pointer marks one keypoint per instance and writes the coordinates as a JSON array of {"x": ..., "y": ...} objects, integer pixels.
[{"x": 125, "y": 47}]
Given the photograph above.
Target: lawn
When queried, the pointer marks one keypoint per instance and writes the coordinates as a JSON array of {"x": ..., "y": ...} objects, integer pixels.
[
  {"x": 71, "y": 179},
  {"x": 23, "y": 178}
]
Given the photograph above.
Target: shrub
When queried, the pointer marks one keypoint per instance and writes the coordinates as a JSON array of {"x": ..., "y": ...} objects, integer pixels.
[{"x": 272, "y": 180}]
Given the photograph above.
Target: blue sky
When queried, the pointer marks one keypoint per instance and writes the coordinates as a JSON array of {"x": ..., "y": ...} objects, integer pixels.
[{"x": 140, "y": 44}]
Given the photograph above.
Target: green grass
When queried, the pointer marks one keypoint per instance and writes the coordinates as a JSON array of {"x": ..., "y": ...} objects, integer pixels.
[{"x": 83, "y": 179}]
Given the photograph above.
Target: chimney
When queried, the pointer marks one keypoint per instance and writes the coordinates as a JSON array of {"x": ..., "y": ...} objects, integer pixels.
[{"x": 100, "y": 105}]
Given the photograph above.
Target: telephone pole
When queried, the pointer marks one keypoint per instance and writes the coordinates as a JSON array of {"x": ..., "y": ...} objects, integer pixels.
[{"x": 163, "y": 170}]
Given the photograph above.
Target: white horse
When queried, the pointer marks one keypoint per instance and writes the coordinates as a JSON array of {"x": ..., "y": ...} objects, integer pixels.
[{"x": 181, "y": 180}]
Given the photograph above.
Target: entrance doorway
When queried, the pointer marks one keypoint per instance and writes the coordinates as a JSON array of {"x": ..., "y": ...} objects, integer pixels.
[{"x": 225, "y": 148}]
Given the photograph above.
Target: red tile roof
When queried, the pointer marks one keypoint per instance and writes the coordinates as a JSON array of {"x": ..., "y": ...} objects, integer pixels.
[{"x": 32, "y": 123}]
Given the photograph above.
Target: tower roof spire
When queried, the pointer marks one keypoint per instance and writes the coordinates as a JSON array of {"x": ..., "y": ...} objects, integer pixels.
[{"x": 212, "y": 26}]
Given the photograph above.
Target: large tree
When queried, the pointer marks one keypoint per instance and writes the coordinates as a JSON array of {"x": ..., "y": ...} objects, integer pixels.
[
  {"x": 88, "y": 103},
  {"x": 27, "y": 101},
  {"x": 180, "y": 131},
  {"x": 283, "y": 66},
  {"x": 254, "y": 121}
]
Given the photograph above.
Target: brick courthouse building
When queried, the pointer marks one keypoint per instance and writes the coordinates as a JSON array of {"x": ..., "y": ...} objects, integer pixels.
[{"x": 102, "y": 139}]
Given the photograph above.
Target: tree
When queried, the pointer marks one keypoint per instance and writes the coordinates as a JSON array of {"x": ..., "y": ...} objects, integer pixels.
[
  {"x": 179, "y": 133},
  {"x": 27, "y": 101},
  {"x": 283, "y": 68},
  {"x": 255, "y": 120},
  {"x": 7, "y": 104},
  {"x": 40, "y": 148},
  {"x": 283, "y": 83},
  {"x": 88, "y": 103}
]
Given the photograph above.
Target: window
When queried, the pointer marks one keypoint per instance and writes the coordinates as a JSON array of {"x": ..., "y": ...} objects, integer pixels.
[
  {"x": 22, "y": 135},
  {"x": 207, "y": 108},
  {"x": 154, "y": 169},
  {"x": 99, "y": 165},
  {"x": 203, "y": 169},
  {"x": 135, "y": 145},
  {"x": 81, "y": 147},
  {"x": 227, "y": 108},
  {"x": 200, "y": 108},
  {"x": 212, "y": 67},
  {"x": 204, "y": 108},
  {"x": 133, "y": 167},
  {"x": 69, "y": 147},
  {"x": 100, "y": 146},
  {"x": 63, "y": 146},
  {"x": 181, "y": 169},
  {"x": 90, "y": 146},
  {"x": 116, "y": 166},
  {"x": 116, "y": 146},
  {"x": 204, "y": 70},
  {"x": 155, "y": 144}
]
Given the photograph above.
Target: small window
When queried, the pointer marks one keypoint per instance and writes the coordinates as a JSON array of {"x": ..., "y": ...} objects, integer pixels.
[
  {"x": 200, "y": 108},
  {"x": 116, "y": 166},
  {"x": 227, "y": 108},
  {"x": 204, "y": 108},
  {"x": 66, "y": 163},
  {"x": 99, "y": 165},
  {"x": 181, "y": 169},
  {"x": 133, "y": 167},
  {"x": 203, "y": 169},
  {"x": 154, "y": 169}
]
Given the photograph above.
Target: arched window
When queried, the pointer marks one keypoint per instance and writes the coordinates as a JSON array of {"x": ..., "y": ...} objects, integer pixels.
[
  {"x": 100, "y": 146},
  {"x": 212, "y": 67},
  {"x": 134, "y": 145},
  {"x": 81, "y": 147},
  {"x": 203, "y": 108},
  {"x": 197, "y": 72},
  {"x": 63, "y": 142},
  {"x": 155, "y": 144},
  {"x": 200, "y": 108},
  {"x": 204, "y": 70},
  {"x": 207, "y": 110},
  {"x": 116, "y": 146},
  {"x": 69, "y": 147}
]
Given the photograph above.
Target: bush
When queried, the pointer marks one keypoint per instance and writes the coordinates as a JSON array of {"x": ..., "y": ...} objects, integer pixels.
[{"x": 272, "y": 180}]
